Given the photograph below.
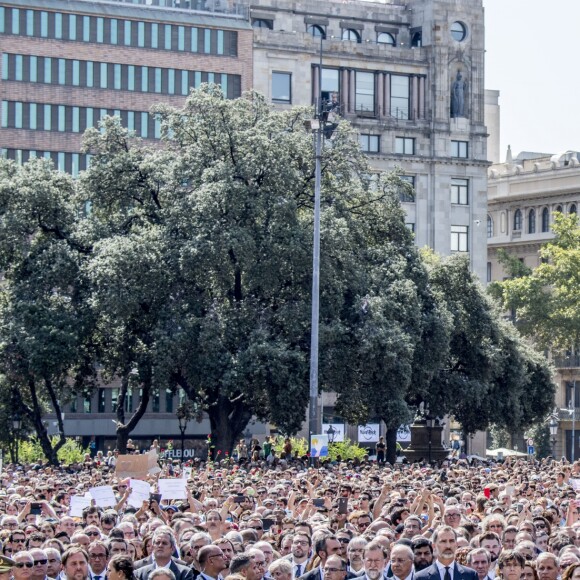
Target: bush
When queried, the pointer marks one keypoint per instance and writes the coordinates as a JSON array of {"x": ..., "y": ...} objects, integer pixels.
[
  {"x": 298, "y": 444},
  {"x": 31, "y": 452},
  {"x": 346, "y": 450}
]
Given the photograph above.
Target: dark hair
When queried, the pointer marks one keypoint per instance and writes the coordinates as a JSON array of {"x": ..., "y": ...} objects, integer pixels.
[
  {"x": 239, "y": 562},
  {"x": 510, "y": 556},
  {"x": 69, "y": 552},
  {"x": 123, "y": 564},
  {"x": 421, "y": 543}
]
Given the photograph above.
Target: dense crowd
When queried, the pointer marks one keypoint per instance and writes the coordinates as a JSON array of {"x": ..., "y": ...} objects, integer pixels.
[{"x": 251, "y": 520}]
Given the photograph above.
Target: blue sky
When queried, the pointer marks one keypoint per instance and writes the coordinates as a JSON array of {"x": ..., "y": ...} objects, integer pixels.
[{"x": 532, "y": 58}]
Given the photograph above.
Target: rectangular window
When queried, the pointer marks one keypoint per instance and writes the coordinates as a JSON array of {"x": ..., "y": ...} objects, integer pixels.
[
  {"x": 104, "y": 75},
  {"x": 181, "y": 38},
  {"x": 86, "y": 28},
  {"x": 184, "y": 82},
  {"x": 207, "y": 41},
  {"x": 33, "y": 69},
  {"x": 459, "y": 149},
  {"x": 167, "y": 43},
  {"x": 72, "y": 27},
  {"x": 2, "y": 20},
  {"x": 87, "y": 405},
  {"x": 127, "y": 33},
  {"x": 19, "y": 67},
  {"x": 194, "y": 40},
  {"x": 144, "y": 79},
  {"x": 114, "y": 31},
  {"x": 61, "y": 71},
  {"x": 90, "y": 74},
  {"x": 4, "y": 114},
  {"x": 460, "y": 191},
  {"x": 44, "y": 24},
  {"x": 15, "y": 21},
  {"x": 100, "y": 30},
  {"x": 405, "y": 194},
  {"x": 154, "y": 35},
  {"x": 155, "y": 402},
  {"x": 411, "y": 226},
  {"x": 130, "y": 78},
  {"x": 32, "y": 113},
  {"x": 144, "y": 125},
  {"x": 5, "y": 69},
  {"x": 90, "y": 120},
  {"x": 130, "y": 120},
  {"x": 76, "y": 72},
  {"x": 47, "y": 117},
  {"x": 210, "y": 78},
  {"x": 117, "y": 76},
  {"x": 224, "y": 84},
  {"x": 47, "y": 69},
  {"x": 76, "y": 120},
  {"x": 18, "y": 115},
  {"x": 369, "y": 143},
  {"x": 459, "y": 238},
  {"x": 405, "y": 145},
  {"x": 400, "y": 96},
  {"x": 58, "y": 25},
  {"x": 168, "y": 401},
  {"x": 171, "y": 81},
  {"x": 61, "y": 118},
  {"x": 196, "y": 79},
  {"x": 30, "y": 23},
  {"x": 101, "y": 401},
  {"x": 129, "y": 400},
  {"x": 157, "y": 129},
  {"x": 220, "y": 41},
  {"x": 365, "y": 93},
  {"x": 157, "y": 80},
  {"x": 489, "y": 271},
  {"x": 141, "y": 34},
  {"x": 281, "y": 87}
]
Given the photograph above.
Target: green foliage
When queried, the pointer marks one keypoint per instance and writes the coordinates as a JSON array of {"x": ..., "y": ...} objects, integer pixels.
[
  {"x": 31, "y": 451},
  {"x": 299, "y": 444},
  {"x": 346, "y": 450},
  {"x": 500, "y": 437},
  {"x": 547, "y": 299},
  {"x": 540, "y": 433}
]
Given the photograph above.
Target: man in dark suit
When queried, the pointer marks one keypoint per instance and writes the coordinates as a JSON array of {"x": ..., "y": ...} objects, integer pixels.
[
  {"x": 323, "y": 548},
  {"x": 445, "y": 567},
  {"x": 163, "y": 548}
]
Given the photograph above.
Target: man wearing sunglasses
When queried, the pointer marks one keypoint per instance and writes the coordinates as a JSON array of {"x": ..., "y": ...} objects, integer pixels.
[
  {"x": 40, "y": 568},
  {"x": 23, "y": 564}
]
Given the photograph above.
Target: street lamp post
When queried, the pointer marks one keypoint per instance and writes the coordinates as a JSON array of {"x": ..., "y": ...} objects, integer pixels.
[
  {"x": 16, "y": 425},
  {"x": 553, "y": 433}
]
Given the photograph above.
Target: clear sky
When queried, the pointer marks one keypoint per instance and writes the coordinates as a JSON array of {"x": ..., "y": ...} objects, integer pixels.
[{"x": 532, "y": 58}]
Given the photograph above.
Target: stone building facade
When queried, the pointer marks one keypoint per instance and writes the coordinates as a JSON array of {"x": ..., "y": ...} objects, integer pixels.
[
  {"x": 524, "y": 193},
  {"x": 392, "y": 69}
]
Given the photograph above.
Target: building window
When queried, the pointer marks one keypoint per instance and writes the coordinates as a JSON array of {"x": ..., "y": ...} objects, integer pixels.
[
  {"x": 329, "y": 83},
  {"x": 316, "y": 31},
  {"x": 101, "y": 401},
  {"x": 572, "y": 209},
  {"x": 385, "y": 38},
  {"x": 459, "y": 149},
  {"x": 168, "y": 401},
  {"x": 87, "y": 405},
  {"x": 365, "y": 93},
  {"x": 489, "y": 227},
  {"x": 545, "y": 220},
  {"x": 405, "y": 145},
  {"x": 417, "y": 39},
  {"x": 407, "y": 190},
  {"x": 459, "y": 238},
  {"x": 351, "y": 34},
  {"x": 489, "y": 271},
  {"x": 518, "y": 220},
  {"x": 532, "y": 221},
  {"x": 559, "y": 208},
  {"x": 399, "y": 96},
  {"x": 370, "y": 143},
  {"x": 458, "y": 31},
  {"x": 263, "y": 23},
  {"x": 460, "y": 191},
  {"x": 155, "y": 402},
  {"x": 282, "y": 87}
]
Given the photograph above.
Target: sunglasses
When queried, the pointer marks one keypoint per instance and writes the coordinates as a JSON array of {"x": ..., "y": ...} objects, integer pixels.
[
  {"x": 40, "y": 562},
  {"x": 23, "y": 564},
  {"x": 93, "y": 533}
]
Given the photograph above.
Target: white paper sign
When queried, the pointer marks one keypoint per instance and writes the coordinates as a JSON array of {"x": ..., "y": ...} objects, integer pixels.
[
  {"x": 104, "y": 496},
  {"x": 77, "y": 504},
  {"x": 172, "y": 488},
  {"x": 575, "y": 483},
  {"x": 140, "y": 491},
  {"x": 368, "y": 433}
]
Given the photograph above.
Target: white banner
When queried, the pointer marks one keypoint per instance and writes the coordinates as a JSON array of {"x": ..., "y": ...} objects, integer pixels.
[
  {"x": 368, "y": 433},
  {"x": 336, "y": 429},
  {"x": 404, "y": 434}
]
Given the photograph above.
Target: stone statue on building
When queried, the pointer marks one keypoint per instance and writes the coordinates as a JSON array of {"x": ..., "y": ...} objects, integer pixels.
[{"x": 458, "y": 96}]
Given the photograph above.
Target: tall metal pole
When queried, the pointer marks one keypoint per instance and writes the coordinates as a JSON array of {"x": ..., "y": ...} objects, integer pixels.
[
  {"x": 314, "y": 416},
  {"x": 573, "y": 421}
]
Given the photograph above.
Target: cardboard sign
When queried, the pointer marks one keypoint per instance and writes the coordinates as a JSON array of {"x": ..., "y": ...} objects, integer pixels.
[{"x": 137, "y": 466}]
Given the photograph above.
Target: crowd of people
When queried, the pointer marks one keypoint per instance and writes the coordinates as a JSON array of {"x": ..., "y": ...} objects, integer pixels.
[{"x": 253, "y": 521}]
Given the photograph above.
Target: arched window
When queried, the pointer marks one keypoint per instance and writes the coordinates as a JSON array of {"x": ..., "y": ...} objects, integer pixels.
[
  {"x": 351, "y": 34},
  {"x": 262, "y": 23},
  {"x": 316, "y": 30},
  {"x": 518, "y": 219},
  {"x": 385, "y": 38},
  {"x": 417, "y": 40},
  {"x": 545, "y": 220},
  {"x": 559, "y": 208},
  {"x": 532, "y": 221},
  {"x": 489, "y": 227},
  {"x": 572, "y": 209}
]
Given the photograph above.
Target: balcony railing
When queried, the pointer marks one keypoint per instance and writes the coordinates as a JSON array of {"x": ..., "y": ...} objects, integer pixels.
[
  {"x": 230, "y": 7},
  {"x": 567, "y": 362}
]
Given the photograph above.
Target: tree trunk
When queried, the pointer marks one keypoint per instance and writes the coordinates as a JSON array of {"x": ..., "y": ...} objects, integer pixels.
[
  {"x": 228, "y": 421},
  {"x": 125, "y": 429},
  {"x": 391, "y": 441},
  {"x": 35, "y": 415}
]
